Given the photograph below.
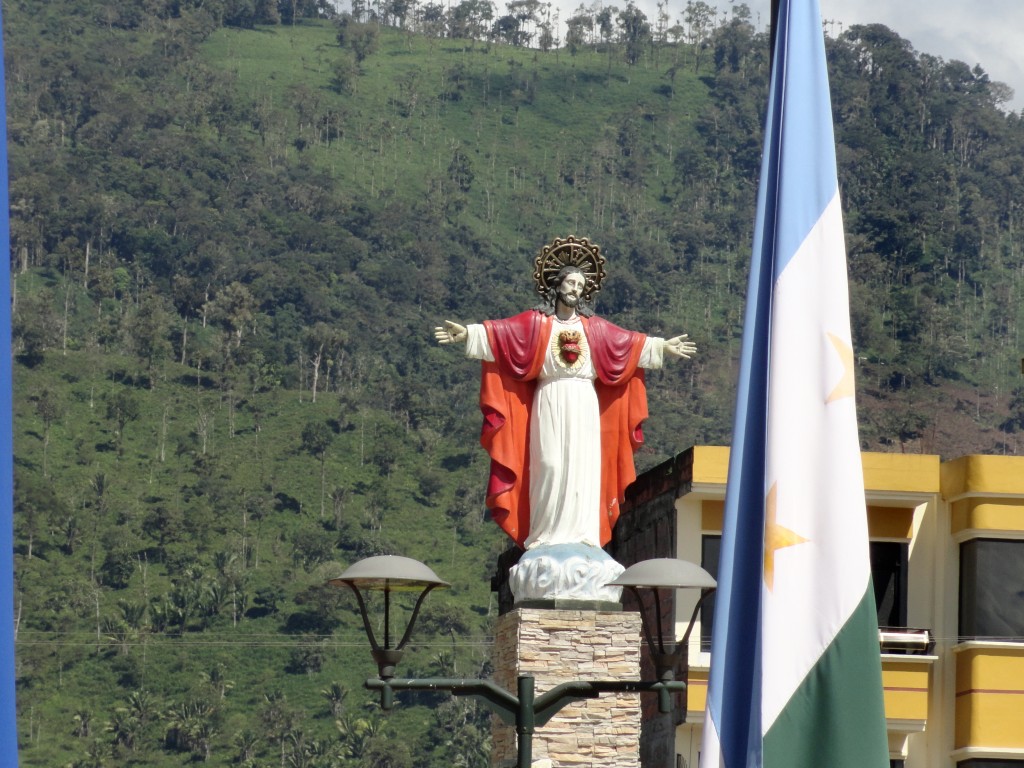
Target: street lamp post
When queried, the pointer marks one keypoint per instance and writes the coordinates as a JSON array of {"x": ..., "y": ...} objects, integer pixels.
[{"x": 525, "y": 710}]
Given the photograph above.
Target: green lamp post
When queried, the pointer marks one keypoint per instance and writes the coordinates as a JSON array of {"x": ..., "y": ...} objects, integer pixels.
[{"x": 525, "y": 710}]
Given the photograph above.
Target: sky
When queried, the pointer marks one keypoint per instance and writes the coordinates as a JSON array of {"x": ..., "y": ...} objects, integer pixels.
[{"x": 985, "y": 32}]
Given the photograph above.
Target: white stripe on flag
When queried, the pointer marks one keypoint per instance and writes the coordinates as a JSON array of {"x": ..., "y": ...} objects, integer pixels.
[{"x": 813, "y": 465}]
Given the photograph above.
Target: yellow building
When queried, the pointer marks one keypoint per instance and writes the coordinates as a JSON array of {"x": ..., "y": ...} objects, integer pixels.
[{"x": 947, "y": 548}]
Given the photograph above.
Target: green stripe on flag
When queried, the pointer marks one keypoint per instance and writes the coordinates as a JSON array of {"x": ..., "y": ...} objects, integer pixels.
[{"x": 836, "y": 717}]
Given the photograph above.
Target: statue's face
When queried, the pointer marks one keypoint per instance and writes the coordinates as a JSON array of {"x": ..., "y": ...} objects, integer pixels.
[{"x": 571, "y": 289}]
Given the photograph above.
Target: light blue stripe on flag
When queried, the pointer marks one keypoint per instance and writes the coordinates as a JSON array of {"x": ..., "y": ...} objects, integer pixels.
[
  {"x": 798, "y": 181},
  {"x": 8, "y": 724},
  {"x": 799, "y": 167}
]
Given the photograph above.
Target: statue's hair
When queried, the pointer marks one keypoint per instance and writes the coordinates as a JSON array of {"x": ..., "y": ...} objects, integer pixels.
[{"x": 547, "y": 304}]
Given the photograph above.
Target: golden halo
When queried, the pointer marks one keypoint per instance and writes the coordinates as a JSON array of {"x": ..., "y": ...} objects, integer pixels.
[{"x": 564, "y": 252}]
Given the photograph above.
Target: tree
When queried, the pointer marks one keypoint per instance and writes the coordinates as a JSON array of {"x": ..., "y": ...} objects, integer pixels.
[
  {"x": 345, "y": 73},
  {"x": 31, "y": 501},
  {"x": 268, "y": 599},
  {"x": 383, "y": 752},
  {"x": 325, "y": 346},
  {"x": 700, "y": 18},
  {"x": 277, "y": 718},
  {"x": 546, "y": 39},
  {"x": 216, "y": 678},
  {"x": 387, "y": 447},
  {"x": 605, "y": 24},
  {"x": 357, "y": 37},
  {"x": 525, "y": 12},
  {"x": 246, "y": 743},
  {"x": 235, "y": 309},
  {"x": 35, "y": 328},
  {"x": 635, "y": 32},
  {"x": 147, "y": 329},
  {"x": 316, "y": 439},
  {"x": 460, "y": 171},
  {"x": 50, "y": 408},
  {"x": 470, "y": 19},
  {"x": 308, "y": 657},
  {"x": 310, "y": 548},
  {"x": 335, "y": 695},
  {"x": 577, "y": 28},
  {"x": 1015, "y": 409},
  {"x": 122, "y": 409},
  {"x": 143, "y": 706},
  {"x": 506, "y": 28},
  {"x": 338, "y": 498},
  {"x": 396, "y": 11},
  {"x": 118, "y": 567},
  {"x": 191, "y": 726},
  {"x": 358, "y": 733}
]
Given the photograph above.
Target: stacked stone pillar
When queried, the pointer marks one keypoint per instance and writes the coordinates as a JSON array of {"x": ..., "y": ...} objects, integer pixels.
[{"x": 556, "y": 646}]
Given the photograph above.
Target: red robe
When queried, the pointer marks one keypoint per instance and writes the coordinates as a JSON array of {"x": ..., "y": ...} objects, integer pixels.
[{"x": 519, "y": 345}]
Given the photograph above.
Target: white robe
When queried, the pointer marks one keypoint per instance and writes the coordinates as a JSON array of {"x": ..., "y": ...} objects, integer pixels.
[{"x": 565, "y": 439}]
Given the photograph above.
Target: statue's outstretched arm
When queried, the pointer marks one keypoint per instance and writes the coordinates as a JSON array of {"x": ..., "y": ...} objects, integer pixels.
[
  {"x": 450, "y": 333},
  {"x": 680, "y": 346}
]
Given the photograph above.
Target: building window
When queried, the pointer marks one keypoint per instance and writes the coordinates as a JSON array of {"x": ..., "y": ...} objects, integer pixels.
[
  {"x": 992, "y": 595},
  {"x": 710, "y": 549},
  {"x": 988, "y": 763},
  {"x": 889, "y": 573},
  {"x": 896, "y": 763}
]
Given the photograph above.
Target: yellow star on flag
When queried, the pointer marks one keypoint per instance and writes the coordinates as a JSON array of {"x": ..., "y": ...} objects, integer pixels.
[
  {"x": 845, "y": 387},
  {"x": 775, "y": 538}
]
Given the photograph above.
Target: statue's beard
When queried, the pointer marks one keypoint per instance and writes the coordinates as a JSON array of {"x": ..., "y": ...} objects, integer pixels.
[{"x": 569, "y": 300}]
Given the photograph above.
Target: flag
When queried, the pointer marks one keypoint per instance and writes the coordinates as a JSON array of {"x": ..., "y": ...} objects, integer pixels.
[
  {"x": 8, "y": 725},
  {"x": 795, "y": 674}
]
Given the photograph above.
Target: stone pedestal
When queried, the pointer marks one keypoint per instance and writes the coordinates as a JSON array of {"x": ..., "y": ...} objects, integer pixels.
[{"x": 556, "y": 646}]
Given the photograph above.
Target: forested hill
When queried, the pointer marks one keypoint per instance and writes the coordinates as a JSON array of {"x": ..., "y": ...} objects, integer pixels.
[
  {"x": 234, "y": 223},
  {"x": 233, "y": 199}
]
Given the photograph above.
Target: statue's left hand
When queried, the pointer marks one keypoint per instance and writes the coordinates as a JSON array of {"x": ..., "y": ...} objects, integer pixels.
[{"x": 680, "y": 346}]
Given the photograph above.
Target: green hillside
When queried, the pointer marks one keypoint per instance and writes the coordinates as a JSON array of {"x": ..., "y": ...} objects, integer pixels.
[{"x": 232, "y": 231}]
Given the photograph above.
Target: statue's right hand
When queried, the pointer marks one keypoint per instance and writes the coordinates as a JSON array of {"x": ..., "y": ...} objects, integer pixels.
[{"x": 450, "y": 333}]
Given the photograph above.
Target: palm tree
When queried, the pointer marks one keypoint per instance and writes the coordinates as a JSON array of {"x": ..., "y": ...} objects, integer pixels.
[
  {"x": 246, "y": 742},
  {"x": 132, "y": 613},
  {"x": 335, "y": 696},
  {"x": 83, "y": 723},
  {"x": 217, "y": 679},
  {"x": 143, "y": 706},
  {"x": 190, "y": 728},
  {"x": 357, "y": 733},
  {"x": 125, "y": 729}
]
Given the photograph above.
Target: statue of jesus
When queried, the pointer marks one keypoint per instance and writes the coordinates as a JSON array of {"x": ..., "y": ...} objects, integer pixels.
[{"x": 563, "y": 399}]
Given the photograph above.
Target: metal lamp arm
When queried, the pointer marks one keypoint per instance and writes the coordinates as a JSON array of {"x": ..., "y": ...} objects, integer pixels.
[
  {"x": 366, "y": 618},
  {"x": 412, "y": 618},
  {"x": 704, "y": 594},
  {"x": 408, "y": 630},
  {"x": 496, "y": 698}
]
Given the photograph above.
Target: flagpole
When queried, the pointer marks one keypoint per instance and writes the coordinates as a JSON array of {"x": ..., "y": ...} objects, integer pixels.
[
  {"x": 8, "y": 727},
  {"x": 772, "y": 22},
  {"x": 795, "y": 671}
]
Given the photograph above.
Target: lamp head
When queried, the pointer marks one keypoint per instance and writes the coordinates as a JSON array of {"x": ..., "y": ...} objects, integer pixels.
[
  {"x": 387, "y": 574},
  {"x": 665, "y": 573}
]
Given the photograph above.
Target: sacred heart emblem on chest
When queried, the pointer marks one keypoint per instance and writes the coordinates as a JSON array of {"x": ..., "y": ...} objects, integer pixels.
[{"x": 569, "y": 348}]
